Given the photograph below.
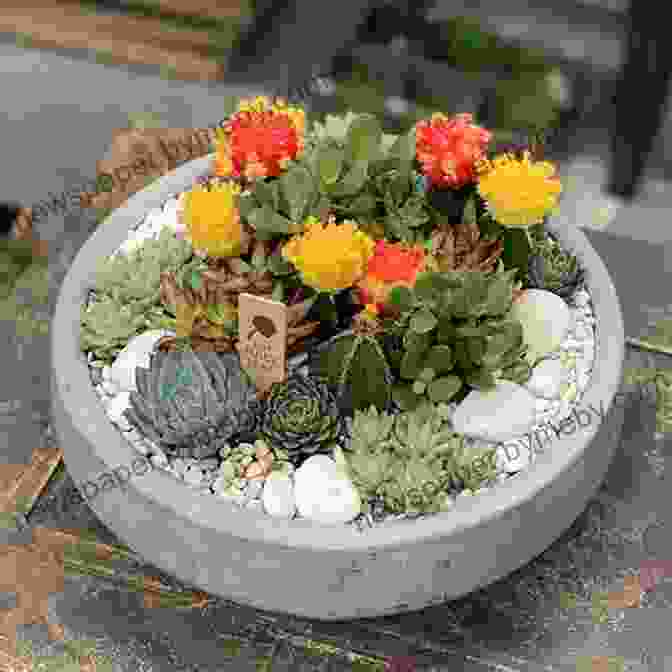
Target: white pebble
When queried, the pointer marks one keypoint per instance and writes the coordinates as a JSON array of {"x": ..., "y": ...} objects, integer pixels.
[
  {"x": 546, "y": 378},
  {"x": 255, "y": 505},
  {"x": 159, "y": 459},
  {"x": 542, "y": 405},
  {"x": 179, "y": 466},
  {"x": 110, "y": 388},
  {"x": 581, "y": 298},
  {"x": 193, "y": 476},
  {"x": 500, "y": 414},
  {"x": 323, "y": 493},
  {"x": 116, "y": 408},
  {"x": 278, "y": 496}
]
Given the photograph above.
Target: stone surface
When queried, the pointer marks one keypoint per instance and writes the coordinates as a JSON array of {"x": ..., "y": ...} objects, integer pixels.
[
  {"x": 546, "y": 378},
  {"x": 323, "y": 494},
  {"x": 136, "y": 353},
  {"x": 278, "y": 496},
  {"x": 500, "y": 414},
  {"x": 116, "y": 408},
  {"x": 545, "y": 318}
]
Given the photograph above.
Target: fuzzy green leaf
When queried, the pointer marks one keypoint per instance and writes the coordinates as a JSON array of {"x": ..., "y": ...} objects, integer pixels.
[
  {"x": 329, "y": 163},
  {"x": 428, "y": 286},
  {"x": 469, "y": 215},
  {"x": 266, "y": 193},
  {"x": 267, "y": 222},
  {"x": 419, "y": 387},
  {"x": 444, "y": 389},
  {"x": 428, "y": 374},
  {"x": 298, "y": 188},
  {"x": 352, "y": 182},
  {"x": 423, "y": 321},
  {"x": 278, "y": 293},
  {"x": 404, "y": 396},
  {"x": 364, "y": 204},
  {"x": 278, "y": 265},
  {"x": 363, "y": 138},
  {"x": 440, "y": 359},
  {"x": 480, "y": 378},
  {"x": 516, "y": 252}
]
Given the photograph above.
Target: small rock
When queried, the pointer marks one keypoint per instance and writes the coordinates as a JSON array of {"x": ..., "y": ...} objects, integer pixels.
[
  {"x": 582, "y": 298},
  {"x": 179, "y": 466},
  {"x": 546, "y": 378},
  {"x": 154, "y": 221},
  {"x": 133, "y": 436},
  {"x": 135, "y": 241},
  {"x": 500, "y": 414},
  {"x": 278, "y": 496},
  {"x": 323, "y": 493},
  {"x": 136, "y": 353},
  {"x": 159, "y": 459},
  {"x": 116, "y": 408},
  {"x": 255, "y": 505},
  {"x": 542, "y": 405},
  {"x": 513, "y": 456},
  {"x": 209, "y": 463},
  {"x": 193, "y": 476},
  {"x": 96, "y": 376},
  {"x": 582, "y": 332},
  {"x": 142, "y": 447},
  {"x": 254, "y": 489},
  {"x": 545, "y": 318},
  {"x": 110, "y": 388},
  {"x": 582, "y": 380}
]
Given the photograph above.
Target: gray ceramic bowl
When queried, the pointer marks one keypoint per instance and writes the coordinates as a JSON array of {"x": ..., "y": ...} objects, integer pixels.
[{"x": 299, "y": 567}]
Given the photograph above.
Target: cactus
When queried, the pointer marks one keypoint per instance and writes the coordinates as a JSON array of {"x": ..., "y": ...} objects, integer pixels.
[
  {"x": 354, "y": 363},
  {"x": 456, "y": 336}
]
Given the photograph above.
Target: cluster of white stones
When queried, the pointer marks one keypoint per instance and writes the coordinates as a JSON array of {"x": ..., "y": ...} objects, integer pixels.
[{"x": 564, "y": 338}]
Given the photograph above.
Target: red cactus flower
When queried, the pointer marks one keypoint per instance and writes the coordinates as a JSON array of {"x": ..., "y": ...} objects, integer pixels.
[{"x": 449, "y": 149}]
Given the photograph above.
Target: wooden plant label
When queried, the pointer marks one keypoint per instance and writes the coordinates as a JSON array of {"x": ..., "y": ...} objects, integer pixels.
[{"x": 262, "y": 346}]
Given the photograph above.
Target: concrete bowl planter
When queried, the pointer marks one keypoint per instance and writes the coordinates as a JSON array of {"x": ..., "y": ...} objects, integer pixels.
[{"x": 299, "y": 567}]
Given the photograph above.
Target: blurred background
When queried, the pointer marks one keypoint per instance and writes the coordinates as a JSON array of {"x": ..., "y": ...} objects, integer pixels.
[{"x": 522, "y": 67}]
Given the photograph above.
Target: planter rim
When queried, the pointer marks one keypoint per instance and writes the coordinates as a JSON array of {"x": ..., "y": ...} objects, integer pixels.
[{"x": 71, "y": 379}]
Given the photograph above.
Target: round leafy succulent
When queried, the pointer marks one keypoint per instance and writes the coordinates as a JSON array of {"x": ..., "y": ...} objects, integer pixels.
[
  {"x": 191, "y": 403},
  {"x": 301, "y": 417},
  {"x": 553, "y": 269}
]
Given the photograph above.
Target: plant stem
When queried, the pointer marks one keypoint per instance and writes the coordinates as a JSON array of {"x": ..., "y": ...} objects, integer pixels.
[{"x": 644, "y": 345}]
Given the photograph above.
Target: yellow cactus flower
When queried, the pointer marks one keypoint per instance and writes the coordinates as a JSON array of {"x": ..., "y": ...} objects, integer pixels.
[
  {"x": 518, "y": 192},
  {"x": 331, "y": 256},
  {"x": 212, "y": 219}
]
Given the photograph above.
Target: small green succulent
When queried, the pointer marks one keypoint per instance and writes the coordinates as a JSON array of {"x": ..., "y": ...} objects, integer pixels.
[
  {"x": 553, "y": 269},
  {"x": 301, "y": 417},
  {"x": 453, "y": 334},
  {"x": 410, "y": 460}
]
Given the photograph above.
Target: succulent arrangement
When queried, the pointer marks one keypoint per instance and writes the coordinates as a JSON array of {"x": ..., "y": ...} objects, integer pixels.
[
  {"x": 301, "y": 417},
  {"x": 198, "y": 419},
  {"x": 398, "y": 259}
]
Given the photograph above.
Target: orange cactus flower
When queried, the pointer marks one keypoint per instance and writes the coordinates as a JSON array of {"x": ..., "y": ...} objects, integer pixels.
[
  {"x": 392, "y": 265},
  {"x": 260, "y": 139}
]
